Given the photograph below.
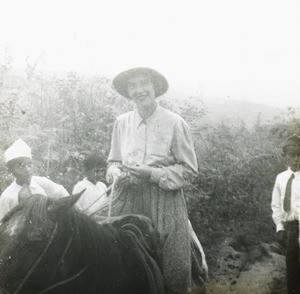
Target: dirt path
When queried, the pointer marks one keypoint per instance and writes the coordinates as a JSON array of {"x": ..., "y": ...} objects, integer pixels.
[{"x": 243, "y": 269}]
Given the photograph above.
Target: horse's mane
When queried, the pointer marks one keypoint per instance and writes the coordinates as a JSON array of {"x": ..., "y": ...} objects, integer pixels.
[
  {"x": 89, "y": 236},
  {"x": 34, "y": 207},
  {"x": 93, "y": 237},
  {"x": 96, "y": 243}
]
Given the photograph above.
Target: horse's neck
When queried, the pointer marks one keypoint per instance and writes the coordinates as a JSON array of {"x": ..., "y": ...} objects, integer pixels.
[{"x": 93, "y": 239}]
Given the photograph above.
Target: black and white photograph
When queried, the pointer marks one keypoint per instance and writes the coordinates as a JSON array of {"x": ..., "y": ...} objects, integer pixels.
[{"x": 150, "y": 147}]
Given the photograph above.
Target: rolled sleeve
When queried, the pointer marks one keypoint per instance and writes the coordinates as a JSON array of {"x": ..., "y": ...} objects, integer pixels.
[{"x": 52, "y": 189}]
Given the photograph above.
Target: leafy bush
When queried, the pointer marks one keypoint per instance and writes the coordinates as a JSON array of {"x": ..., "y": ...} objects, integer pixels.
[{"x": 64, "y": 117}]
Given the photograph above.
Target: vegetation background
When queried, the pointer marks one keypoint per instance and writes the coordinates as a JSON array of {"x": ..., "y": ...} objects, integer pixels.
[{"x": 64, "y": 116}]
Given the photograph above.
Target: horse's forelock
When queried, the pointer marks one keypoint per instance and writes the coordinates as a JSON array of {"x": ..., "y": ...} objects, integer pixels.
[{"x": 35, "y": 208}]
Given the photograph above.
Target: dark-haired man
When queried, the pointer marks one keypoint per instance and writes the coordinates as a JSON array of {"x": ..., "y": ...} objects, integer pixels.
[
  {"x": 286, "y": 209},
  {"x": 94, "y": 195}
]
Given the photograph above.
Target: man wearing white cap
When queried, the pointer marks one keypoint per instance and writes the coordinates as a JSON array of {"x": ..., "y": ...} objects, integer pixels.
[{"x": 18, "y": 162}]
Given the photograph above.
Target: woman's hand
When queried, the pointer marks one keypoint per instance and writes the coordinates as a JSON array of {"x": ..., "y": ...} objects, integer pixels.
[
  {"x": 122, "y": 180},
  {"x": 142, "y": 172},
  {"x": 122, "y": 176},
  {"x": 113, "y": 173}
]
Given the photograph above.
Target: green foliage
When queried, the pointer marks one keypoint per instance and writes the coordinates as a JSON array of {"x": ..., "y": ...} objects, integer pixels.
[
  {"x": 286, "y": 124},
  {"x": 75, "y": 117},
  {"x": 237, "y": 170},
  {"x": 63, "y": 117}
]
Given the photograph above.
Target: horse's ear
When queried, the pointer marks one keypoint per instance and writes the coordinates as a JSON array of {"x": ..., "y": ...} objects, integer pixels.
[{"x": 57, "y": 206}]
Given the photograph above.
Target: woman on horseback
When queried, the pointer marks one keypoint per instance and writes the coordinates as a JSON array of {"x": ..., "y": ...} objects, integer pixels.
[{"x": 151, "y": 159}]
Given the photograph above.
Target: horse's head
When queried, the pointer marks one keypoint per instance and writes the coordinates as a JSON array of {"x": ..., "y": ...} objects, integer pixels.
[{"x": 26, "y": 233}]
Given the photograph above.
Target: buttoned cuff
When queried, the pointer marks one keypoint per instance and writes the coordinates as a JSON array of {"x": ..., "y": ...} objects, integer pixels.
[{"x": 279, "y": 227}]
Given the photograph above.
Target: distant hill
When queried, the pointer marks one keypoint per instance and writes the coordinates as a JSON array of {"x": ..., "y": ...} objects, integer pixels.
[
  {"x": 217, "y": 110},
  {"x": 235, "y": 112},
  {"x": 231, "y": 111}
]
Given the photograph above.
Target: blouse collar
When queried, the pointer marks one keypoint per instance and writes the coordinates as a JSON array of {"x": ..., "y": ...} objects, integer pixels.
[{"x": 149, "y": 121}]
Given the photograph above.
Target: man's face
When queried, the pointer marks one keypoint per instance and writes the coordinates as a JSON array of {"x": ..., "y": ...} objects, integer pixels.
[
  {"x": 96, "y": 174},
  {"x": 292, "y": 157},
  {"x": 21, "y": 170},
  {"x": 141, "y": 90}
]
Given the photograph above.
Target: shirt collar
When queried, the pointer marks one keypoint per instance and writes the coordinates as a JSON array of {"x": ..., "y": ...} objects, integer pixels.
[
  {"x": 138, "y": 119},
  {"x": 291, "y": 172},
  {"x": 19, "y": 186}
]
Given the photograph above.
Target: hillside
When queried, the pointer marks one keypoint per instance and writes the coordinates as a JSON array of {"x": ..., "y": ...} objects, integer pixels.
[
  {"x": 235, "y": 112},
  {"x": 64, "y": 117},
  {"x": 228, "y": 111}
]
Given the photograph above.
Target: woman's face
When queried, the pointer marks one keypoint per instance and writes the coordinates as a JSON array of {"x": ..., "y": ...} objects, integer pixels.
[{"x": 141, "y": 90}]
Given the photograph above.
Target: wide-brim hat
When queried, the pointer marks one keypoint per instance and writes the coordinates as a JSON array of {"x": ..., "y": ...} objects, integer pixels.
[{"x": 120, "y": 82}]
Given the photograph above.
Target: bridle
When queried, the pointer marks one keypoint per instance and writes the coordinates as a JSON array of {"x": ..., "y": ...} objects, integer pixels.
[
  {"x": 37, "y": 262},
  {"x": 64, "y": 281}
]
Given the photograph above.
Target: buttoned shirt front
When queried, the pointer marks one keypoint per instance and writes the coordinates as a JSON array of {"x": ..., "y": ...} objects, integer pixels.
[
  {"x": 162, "y": 142},
  {"x": 38, "y": 185},
  {"x": 280, "y": 216},
  {"x": 93, "y": 197}
]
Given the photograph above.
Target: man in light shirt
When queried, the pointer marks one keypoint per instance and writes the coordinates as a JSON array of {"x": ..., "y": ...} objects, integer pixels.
[
  {"x": 18, "y": 161},
  {"x": 286, "y": 209},
  {"x": 95, "y": 190}
]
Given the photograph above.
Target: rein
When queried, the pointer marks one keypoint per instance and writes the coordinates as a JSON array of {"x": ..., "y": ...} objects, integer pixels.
[
  {"x": 112, "y": 188},
  {"x": 64, "y": 281},
  {"x": 107, "y": 190},
  {"x": 60, "y": 261},
  {"x": 38, "y": 260},
  {"x": 63, "y": 256},
  {"x": 110, "y": 200}
]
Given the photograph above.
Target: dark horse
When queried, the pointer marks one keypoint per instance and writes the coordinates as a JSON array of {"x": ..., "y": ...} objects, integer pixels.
[{"x": 46, "y": 246}]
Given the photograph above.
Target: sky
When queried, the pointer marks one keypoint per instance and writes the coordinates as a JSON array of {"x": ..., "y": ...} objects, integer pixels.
[{"x": 246, "y": 50}]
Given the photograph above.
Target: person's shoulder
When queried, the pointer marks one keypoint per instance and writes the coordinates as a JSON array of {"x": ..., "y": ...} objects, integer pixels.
[
  {"x": 102, "y": 185},
  {"x": 8, "y": 190},
  {"x": 125, "y": 116},
  {"x": 81, "y": 184},
  {"x": 40, "y": 179},
  {"x": 43, "y": 180},
  {"x": 168, "y": 114},
  {"x": 173, "y": 119},
  {"x": 283, "y": 175}
]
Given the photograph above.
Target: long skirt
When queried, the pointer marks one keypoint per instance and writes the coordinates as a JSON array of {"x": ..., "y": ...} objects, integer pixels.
[{"x": 167, "y": 210}]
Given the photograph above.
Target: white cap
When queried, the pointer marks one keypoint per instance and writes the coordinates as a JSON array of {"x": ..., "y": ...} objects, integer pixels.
[{"x": 18, "y": 149}]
